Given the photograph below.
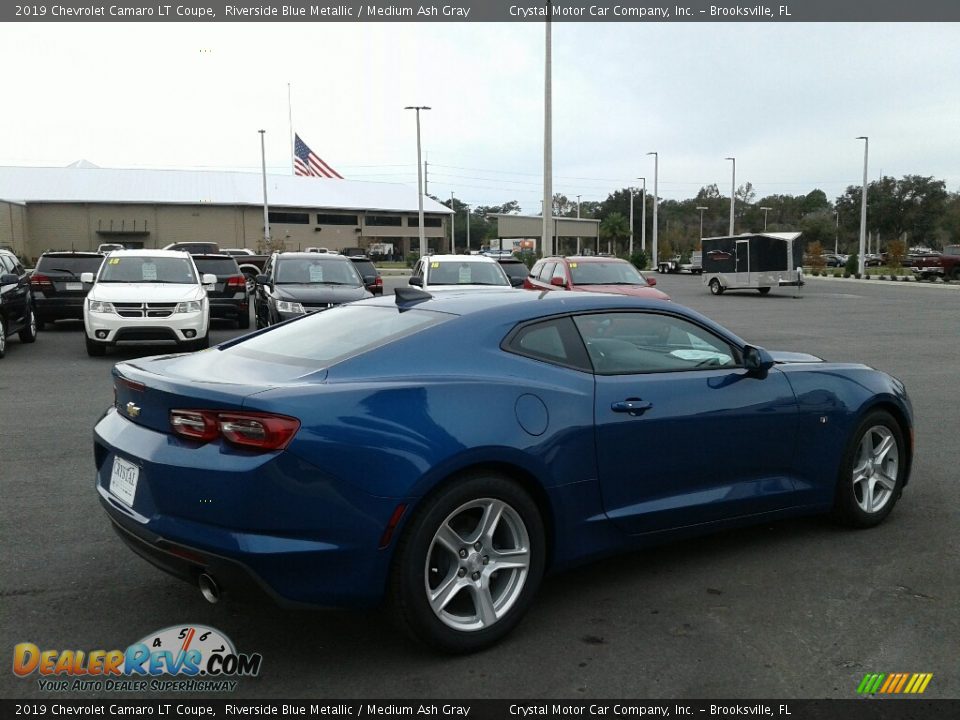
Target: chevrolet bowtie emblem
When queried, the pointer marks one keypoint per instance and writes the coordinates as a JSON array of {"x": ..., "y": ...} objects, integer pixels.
[{"x": 132, "y": 410}]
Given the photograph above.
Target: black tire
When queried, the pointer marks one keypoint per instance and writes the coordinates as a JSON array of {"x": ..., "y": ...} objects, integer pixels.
[
  {"x": 764, "y": 291},
  {"x": 416, "y": 549},
  {"x": 28, "y": 333},
  {"x": 715, "y": 287},
  {"x": 955, "y": 275},
  {"x": 96, "y": 349},
  {"x": 243, "y": 321},
  {"x": 849, "y": 498},
  {"x": 3, "y": 337}
]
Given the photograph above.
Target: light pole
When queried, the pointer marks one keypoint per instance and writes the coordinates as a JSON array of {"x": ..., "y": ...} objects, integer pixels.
[
  {"x": 453, "y": 247},
  {"x": 643, "y": 215},
  {"x": 733, "y": 191},
  {"x": 656, "y": 201},
  {"x": 266, "y": 211},
  {"x": 632, "y": 193},
  {"x": 578, "y": 217},
  {"x": 701, "y": 208},
  {"x": 423, "y": 241},
  {"x": 836, "y": 236},
  {"x": 467, "y": 208},
  {"x": 863, "y": 206},
  {"x": 765, "y": 211},
  {"x": 547, "y": 240}
]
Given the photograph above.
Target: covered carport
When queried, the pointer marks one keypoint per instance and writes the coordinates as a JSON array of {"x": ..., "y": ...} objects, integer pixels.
[{"x": 571, "y": 235}]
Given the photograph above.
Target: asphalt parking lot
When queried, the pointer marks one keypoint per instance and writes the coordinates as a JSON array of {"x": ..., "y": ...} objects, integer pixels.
[{"x": 795, "y": 609}]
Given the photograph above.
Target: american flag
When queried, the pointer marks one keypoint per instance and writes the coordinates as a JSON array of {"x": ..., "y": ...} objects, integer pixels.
[{"x": 306, "y": 162}]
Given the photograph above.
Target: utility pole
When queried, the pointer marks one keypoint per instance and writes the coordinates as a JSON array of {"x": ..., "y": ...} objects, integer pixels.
[
  {"x": 863, "y": 206},
  {"x": 266, "y": 208},
  {"x": 733, "y": 192},
  {"x": 656, "y": 202},
  {"x": 423, "y": 241},
  {"x": 578, "y": 217},
  {"x": 547, "y": 240},
  {"x": 453, "y": 219}
]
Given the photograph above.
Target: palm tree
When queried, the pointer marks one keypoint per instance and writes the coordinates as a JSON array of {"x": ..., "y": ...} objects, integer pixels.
[{"x": 615, "y": 227}]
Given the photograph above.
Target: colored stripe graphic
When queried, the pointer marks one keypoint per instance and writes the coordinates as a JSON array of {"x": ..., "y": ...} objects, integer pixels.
[{"x": 894, "y": 683}]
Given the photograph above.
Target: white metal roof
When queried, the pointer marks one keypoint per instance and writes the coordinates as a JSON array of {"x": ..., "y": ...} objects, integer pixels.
[{"x": 193, "y": 187}]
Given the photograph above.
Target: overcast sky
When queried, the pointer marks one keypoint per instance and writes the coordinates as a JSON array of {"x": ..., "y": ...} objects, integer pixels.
[{"x": 786, "y": 100}]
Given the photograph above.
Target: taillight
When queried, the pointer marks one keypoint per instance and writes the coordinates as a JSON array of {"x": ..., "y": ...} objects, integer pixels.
[
  {"x": 236, "y": 281},
  {"x": 378, "y": 281},
  {"x": 40, "y": 281},
  {"x": 199, "y": 425},
  {"x": 261, "y": 431}
]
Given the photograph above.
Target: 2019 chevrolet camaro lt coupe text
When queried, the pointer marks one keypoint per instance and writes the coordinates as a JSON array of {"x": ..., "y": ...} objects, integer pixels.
[{"x": 444, "y": 452}]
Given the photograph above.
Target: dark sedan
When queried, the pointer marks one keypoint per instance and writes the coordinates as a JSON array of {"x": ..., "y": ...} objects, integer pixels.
[
  {"x": 294, "y": 284},
  {"x": 368, "y": 271},
  {"x": 444, "y": 452}
]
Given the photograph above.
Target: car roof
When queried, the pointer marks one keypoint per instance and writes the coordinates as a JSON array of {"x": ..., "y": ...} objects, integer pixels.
[
  {"x": 150, "y": 253},
  {"x": 586, "y": 258},
  {"x": 312, "y": 256},
  {"x": 462, "y": 258},
  {"x": 70, "y": 253},
  {"x": 213, "y": 256}
]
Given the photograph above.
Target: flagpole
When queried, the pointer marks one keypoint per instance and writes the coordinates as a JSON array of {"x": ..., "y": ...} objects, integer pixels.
[{"x": 293, "y": 170}]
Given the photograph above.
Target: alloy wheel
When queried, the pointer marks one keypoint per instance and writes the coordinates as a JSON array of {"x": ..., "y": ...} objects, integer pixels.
[
  {"x": 875, "y": 469},
  {"x": 477, "y": 564}
]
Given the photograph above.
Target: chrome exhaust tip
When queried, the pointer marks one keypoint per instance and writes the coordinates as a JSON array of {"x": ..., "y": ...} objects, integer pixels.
[{"x": 209, "y": 588}]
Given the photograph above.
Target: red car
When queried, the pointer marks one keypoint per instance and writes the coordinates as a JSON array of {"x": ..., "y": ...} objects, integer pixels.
[{"x": 592, "y": 274}]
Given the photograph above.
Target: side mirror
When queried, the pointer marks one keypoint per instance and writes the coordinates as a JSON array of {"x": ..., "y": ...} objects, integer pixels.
[
  {"x": 559, "y": 282},
  {"x": 87, "y": 278},
  {"x": 209, "y": 279},
  {"x": 263, "y": 279},
  {"x": 516, "y": 281},
  {"x": 757, "y": 361},
  {"x": 415, "y": 280},
  {"x": 9, "y": 279},
  {"x": 651, "y": 281}
]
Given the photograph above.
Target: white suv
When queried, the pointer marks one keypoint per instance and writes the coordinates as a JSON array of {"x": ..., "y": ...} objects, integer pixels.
[{"x": 147, "y": 296}]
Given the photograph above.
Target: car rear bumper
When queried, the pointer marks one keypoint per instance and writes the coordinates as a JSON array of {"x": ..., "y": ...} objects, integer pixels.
[
  {"x": 49, "y": 309},
  {"x": 222, "y": 308},
  {"x": 259, "y": 524}
]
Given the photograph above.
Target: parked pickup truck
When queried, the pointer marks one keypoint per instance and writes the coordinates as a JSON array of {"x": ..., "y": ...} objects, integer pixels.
[
  {"x": 929, "y": 265},
  {"x": 673, "y": 265}
]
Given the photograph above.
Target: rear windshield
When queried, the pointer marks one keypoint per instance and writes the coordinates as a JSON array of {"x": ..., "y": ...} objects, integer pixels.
[
  {"x": 331, "y": 336},
  {"x": 515, "y": 269},
  {"x": 146, "y": 268},
  {"x": 69, "y": 265},
  {"x": 219, "y": 266},
  {"x": 364, "y": 267}
]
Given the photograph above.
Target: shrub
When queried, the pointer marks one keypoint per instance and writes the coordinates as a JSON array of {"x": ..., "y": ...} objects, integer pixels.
[
  {"x": 639, "y": 259},
  {"x": 837, "y": 273},
  {"x": 853, "y": 264}
]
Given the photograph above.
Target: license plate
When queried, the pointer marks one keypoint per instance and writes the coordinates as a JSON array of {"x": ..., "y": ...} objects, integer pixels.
[
  {"x": 74, "y": 286},
  {"x": 123, "y": 480}
]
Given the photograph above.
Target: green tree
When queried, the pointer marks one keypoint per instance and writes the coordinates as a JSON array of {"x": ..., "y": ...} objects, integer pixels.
[{"x": 615, "y": 227}]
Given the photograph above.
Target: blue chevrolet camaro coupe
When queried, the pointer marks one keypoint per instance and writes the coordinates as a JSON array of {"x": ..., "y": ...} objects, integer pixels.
[{"x": 443, "y": 453}]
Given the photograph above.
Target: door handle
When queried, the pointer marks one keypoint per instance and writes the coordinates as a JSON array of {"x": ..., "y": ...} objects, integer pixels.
[{"x": 633, "y": 406}]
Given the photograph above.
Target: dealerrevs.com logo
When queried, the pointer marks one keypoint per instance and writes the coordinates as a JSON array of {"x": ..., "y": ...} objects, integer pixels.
[{"x": 200, "y": 658}]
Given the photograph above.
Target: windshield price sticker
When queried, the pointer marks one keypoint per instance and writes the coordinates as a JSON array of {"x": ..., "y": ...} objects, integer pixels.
[
  {"x": 435, "y": 265},
  {"x": 464, "y": 277},
  {"x": 114, "y": 261},
  {"x": 149, "y": 271},
  {"x": 316, "y": 273}
]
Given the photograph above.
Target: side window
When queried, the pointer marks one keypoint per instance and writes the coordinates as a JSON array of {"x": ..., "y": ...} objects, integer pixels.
[
  {"x": 546, "y": 272},
  {"x": 5, "y": 263},
  {"x": 537, "y": 267},
  {"x": 645, "y": 342},
  {"x": 560, "y": 272},
  {"x": 555, "y": 341}
]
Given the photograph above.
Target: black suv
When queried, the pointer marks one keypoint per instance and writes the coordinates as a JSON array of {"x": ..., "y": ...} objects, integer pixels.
[
  {"x": 515, "y": 269},
  {"x": 368, "y": 271},
  {"x": 229, "y": 297},
  {"x": 58, "y": 293},
  {"x": 16, "y": 305},
  {"x": 293, "y": 284}
]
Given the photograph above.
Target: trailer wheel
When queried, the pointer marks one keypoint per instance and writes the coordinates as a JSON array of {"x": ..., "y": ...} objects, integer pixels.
[
  {"x": 715, "y": 287},
  {"x": 764, "y": 291}
]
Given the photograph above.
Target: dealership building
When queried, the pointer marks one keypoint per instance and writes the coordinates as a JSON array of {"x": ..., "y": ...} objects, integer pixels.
[{"x": 81, "y": 206}]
